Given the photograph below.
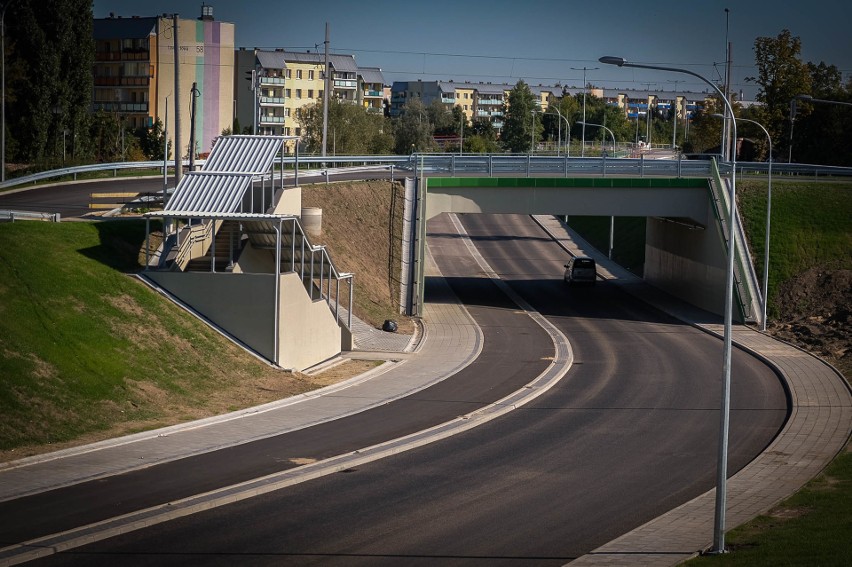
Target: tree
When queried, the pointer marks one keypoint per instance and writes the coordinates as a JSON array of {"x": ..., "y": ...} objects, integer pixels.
[
  {"x": 152, "y": 140},
  {"x": 781, "y": 76},
  {"x": 481, "y": 138},
  {"x": 49, "y": 77},
  {"x": 412, "y": 130},
  {"x": 522, "y": 123},
  {"x": 352, "y": 129}
]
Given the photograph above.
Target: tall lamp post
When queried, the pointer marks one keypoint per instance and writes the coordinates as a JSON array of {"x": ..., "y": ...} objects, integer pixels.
[
  {"x": 768, "y": 218},
  {"x": 532, "y": 131},
  {"x": 567, "y": 132},
  {"x": 584, "y": 69},
  {"x": 605, "y": 128},
  {"x": 611, "y": 218},
  {"x": 722, "y": 463}
]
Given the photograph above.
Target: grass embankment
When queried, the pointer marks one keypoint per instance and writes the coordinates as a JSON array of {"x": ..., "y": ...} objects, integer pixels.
[
  {"x": 88, "y": 352},
  {"x": 811, "y": 227}
]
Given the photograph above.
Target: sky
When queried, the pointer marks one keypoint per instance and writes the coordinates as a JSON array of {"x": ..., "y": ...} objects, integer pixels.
[{"x": 541, "y": 42}]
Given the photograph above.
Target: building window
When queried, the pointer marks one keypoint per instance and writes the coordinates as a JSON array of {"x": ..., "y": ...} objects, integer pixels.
[
  {"x": 310, "y": 93},
  {"x": 298, "y": 93},
  {"x": 311, "y": 75},
  {"x": 298, "y": 73},
  {"x": 298, "y": 131},
  {"x": 287, "y": 112},
  {"x": 287, "y": 74},
  {"x": 287, "y": 93},
  {"x": 319, "y": 94},
  {"x": 287, "y": 131}
]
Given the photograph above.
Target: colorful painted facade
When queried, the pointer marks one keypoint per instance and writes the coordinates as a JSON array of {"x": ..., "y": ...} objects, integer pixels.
[{"x": 135, "y": 74}]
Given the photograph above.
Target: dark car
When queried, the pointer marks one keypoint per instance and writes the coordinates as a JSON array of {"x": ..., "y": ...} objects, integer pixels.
[{"x": 580, "y": 269}]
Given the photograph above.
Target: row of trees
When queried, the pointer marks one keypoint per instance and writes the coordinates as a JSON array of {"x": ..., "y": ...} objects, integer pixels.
[
  {"x": 804, "y": 132},
  {"x": 822, "y": 133}
]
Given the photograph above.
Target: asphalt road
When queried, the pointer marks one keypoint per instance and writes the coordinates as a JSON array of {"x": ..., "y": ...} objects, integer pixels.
[
  {"x": 72, "y": 200},
  {"x": 629, "y": 433}
]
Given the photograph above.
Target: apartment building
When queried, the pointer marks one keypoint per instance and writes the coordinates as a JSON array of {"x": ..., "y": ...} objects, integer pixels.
[
  {"x": 371, "y": 89},
  {"x": 478, "y": 101},
  {"x": 134, "y": 73},
  {"x": 280, "y": 82}
]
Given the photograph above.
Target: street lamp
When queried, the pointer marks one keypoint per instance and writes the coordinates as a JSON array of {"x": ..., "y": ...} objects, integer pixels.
[
  {"x": 722, "y": 463},
  {"x": 584, "y": 69},
  {"x": 568, "y": 132},
  {"x": 768, "y": 217},
  {"x": 792, "y": 121},
  {"x": 532, "y": 131},
  {"x": 605, "y": 128},
  {"x": 806, "y": 98}
]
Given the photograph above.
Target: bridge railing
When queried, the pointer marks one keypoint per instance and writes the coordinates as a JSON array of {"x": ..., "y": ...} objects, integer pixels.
[{"x": 481, "y": 164}]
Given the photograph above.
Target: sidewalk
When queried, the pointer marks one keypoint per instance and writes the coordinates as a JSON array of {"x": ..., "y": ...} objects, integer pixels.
[
  {"x": 818, "y": 428},
  {"x": 451, "y": 341}
]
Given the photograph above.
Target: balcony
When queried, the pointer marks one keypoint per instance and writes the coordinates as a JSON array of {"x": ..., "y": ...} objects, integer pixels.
[
  {"x": 448, "y": 99},
  {"x": 143, "y": 55},
  {"x": 271, "y": 80},
  {"x": 137, "y": 81},
  {"x": 266, "y": 119},
  {"x": 272, "y": 101},
  {"x": 373, "y": 94},
  {"x": 121, "y": 107},
  {"x": 490, "y": 102},
  {"x": 345, "y": 84}
]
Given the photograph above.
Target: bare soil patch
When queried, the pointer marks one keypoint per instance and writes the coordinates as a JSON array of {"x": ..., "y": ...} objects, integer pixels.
[{"x": 815, "y": 315}]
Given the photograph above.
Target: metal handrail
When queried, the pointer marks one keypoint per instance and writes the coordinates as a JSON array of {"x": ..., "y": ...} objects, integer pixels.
[{"x": 488, "y": 164}]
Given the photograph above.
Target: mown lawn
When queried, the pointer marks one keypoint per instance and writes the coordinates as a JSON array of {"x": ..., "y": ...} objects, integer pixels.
[{"x": 85, "y": 346}]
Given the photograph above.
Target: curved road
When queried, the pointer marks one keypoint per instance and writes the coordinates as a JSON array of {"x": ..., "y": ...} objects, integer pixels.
[{"x": 629, "y": 433}]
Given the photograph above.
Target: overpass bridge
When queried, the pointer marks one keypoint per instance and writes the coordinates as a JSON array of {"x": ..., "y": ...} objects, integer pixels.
[{"x": 686, "y": 232}]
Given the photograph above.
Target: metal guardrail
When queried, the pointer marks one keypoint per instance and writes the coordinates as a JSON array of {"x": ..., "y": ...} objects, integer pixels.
[
  {"x": 489, "y": 164},
  {"x": 12, "y": 216},
  {"x": 73, "y": 172}
]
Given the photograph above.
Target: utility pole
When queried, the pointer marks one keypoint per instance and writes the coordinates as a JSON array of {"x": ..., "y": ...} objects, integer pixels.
[
  {"x": 325, "y": 95},
  {"x": 178, "y": 149},
  {"x": 195, "y": 94}
]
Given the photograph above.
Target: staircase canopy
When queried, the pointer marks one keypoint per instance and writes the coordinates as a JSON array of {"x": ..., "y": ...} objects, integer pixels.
[{"x": 227, "y": 175}]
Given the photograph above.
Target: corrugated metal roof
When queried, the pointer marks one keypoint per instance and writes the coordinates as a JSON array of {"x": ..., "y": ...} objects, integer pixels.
[
  {"x": 227, "y": 174},
  {"x": 302, "y": 57},
  {"x": 244, "y": 154},
  {"x": 344, "y": 63},
  {"x": 371, "y": 75},
  {"x": 271, "y": 59}
]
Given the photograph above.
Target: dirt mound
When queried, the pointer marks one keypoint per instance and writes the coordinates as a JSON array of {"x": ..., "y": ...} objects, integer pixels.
[{"x": 815, "y": 314}]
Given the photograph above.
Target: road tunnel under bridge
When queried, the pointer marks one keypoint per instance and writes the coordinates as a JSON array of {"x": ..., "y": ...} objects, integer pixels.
[{"x": 685, "y": 248}]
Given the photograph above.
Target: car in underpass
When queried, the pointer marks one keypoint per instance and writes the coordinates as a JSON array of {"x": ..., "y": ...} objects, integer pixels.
[{"x": 580, "y": 269}]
